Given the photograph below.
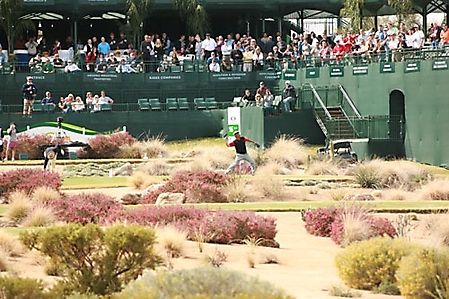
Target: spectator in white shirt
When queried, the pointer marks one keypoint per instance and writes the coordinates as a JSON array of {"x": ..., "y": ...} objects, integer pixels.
[{"x": 71, "y": 67}]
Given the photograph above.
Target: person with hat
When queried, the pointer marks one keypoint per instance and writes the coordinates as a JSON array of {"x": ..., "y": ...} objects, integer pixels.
[
  {"x": 51, "y": 153},
  {"x": 289, "y": 96},
  {"x": 208, "y": 46},
  {"x": 29, "y": 92},
  {"x": 241, "y": 153},
  {"x": 71, "y": 67},
  {"x": 262, "y": 90}
]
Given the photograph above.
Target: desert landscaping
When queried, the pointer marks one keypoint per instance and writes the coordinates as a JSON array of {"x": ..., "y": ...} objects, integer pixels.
[{"x": 304, "y": 265}]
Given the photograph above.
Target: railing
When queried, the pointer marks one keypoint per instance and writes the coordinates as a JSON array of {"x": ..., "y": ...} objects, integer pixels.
[
  {"x": 372, "y": 127},
  {"x": 194, "y": 65}
]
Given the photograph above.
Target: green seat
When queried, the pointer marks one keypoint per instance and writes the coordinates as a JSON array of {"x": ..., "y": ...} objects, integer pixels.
[
  {"x": 73, "y": 155},
  {"x": 183, "y": 104},
  {"x": 189, "y": 66},
  {"x": 155, "y": 104},
  {"x": 211, "y": 103},
  {"x": 277, "y": 103},
  {"x": 60, "y": 70},
  {"x": 144, "y": 105},
  {"x": 6, "y": 68},
  {"x": 172, "y": 104},
  {"x": 200, "y": 103},
  {"x": 106, "y": 107},
  {"x": 37, "y": 106},
  {"x": 112, "y": 70},
  {"x": 175, "y": 68},
  {"x": 49, "y": 108}
]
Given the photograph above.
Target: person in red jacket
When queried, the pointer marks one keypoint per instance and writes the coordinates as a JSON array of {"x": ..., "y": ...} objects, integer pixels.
[{"x": 241, "y": 153}]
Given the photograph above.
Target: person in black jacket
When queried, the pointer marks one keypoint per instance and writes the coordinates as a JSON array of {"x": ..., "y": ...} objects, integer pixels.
[
  {"x": 241, "y": 153},
  {"x": 51, "y": 153},
  {"x": 29, "y": 91}
]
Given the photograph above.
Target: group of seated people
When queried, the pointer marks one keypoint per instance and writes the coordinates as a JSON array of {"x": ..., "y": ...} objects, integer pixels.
[
  {"x": 70, "y": 103},
  {"x": 262, "y": 98}
]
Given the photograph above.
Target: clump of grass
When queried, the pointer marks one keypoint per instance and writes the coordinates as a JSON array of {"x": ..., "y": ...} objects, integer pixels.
[
  {"x": 40, "y": 216},
  {"x": 397, "y": 195},
  {"x": 237, "y": 189},
  {"x": 323, "y": 167},
  {"x": 288, "y": 151},
  {"x": 367, "y": 176},
  {"x": 272, "y": 187},
  {"x": 344, "y": 292},
  {"x": 3, "y": 260},
  {"x": 436, "y": 190},
  {"x": 171, "y": 240},
  {"x": 355, "y": 226},
  {"x": 10, "y": 245},
  {"x": 141, "y": 180},
  {"x": 130, "y": 151},
  {"x": 376, "y": 193},
  {"x": 338, "y": 195},
  {"x": 45, "y": 194},
  {"x": 270, "y": 259},
  {"x": 155, "y": 167},
  {"x": 154, "y": 147},
  {"x": 19, "y": 207}
]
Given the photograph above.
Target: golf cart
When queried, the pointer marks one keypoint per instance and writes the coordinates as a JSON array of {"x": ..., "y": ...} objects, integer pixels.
[{"x": 341, "y": 149}]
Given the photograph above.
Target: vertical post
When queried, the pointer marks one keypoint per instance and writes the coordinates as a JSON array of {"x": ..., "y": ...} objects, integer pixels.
[
  {"x": 75, "y": 37},
  {"x": 263, "y": 25},
  {"x": 280, "y": 24},
  {"x": 424, "y": 19},
  {"x": 84, "y": 131}
]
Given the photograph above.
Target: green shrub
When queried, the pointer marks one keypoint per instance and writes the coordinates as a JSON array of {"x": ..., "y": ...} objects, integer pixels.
[
  {"x": 367, "y": 176},
  {"x": 98, "y": 260},
  {"x": 424, "y": 274},
  {"x": 206, "y": 282},
  {"x": 18, "y": 287},
  {"x": 367, "y": 264}
]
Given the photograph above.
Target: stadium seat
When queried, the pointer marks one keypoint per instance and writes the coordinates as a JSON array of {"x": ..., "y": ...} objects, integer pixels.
[
  {"x": 183, "y": 104},
  {"x": 49, "y": 108},
  {"x": 37, "y": 106},
  {"x": 175, "y": 69},
  {"x": 106, "y": 107},
  {"x": 172, "y": 104},
  {"x": 200, "y": 103},
  {"x": 211, "y": 103},
  {"x": 144, "y": 105},
  {"x": 155, "y": 104},
  {"x": 277, "y": 104}
]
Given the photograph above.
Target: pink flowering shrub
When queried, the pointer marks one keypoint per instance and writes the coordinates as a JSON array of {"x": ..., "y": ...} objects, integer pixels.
[
  {"x": 319, "y": 222},
  {"x": 27, "y": 179},
  {"x": 107, "y": 146},
  {"x": 222, "y": 226},
  {"x": 31, "y": 145},
  {"x": 197, "y": 186},
  {"x": 378, "y": 227},
  {"x": 88, "y": 208}
]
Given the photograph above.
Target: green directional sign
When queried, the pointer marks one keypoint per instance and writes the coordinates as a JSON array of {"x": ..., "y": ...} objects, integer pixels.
[
  {"x": 360, "y": 70},
  {"x": 290, "y": 75},
  {"x": 312, "y": 73},
  {"x": 387, "y": 68},
  {"x": 412, "y": 66},
  {"x": 336, "y": 71},
  {"x": 439, "y": 65}
]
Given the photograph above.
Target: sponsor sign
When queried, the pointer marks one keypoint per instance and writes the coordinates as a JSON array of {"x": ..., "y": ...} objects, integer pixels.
[
  {"x": 164, "y": 77},
  {"x": 290, "y": 75},
  {"x": 336, "y": 71},
  {"x": 37, "y": 78},
  {"x": 103, "y": 78},
  {"x": 360, "y": 70},
  {"x": 226, "y": 77},
  {"x": 268, "y": 76},
  {"x": 233, "y": 122},
  {"x": 439, "y": 65}
]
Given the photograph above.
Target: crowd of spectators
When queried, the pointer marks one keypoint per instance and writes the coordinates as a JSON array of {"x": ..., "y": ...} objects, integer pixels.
[
  {"x": 70, "y": 103},
  {"x": 239, "y": 52}
]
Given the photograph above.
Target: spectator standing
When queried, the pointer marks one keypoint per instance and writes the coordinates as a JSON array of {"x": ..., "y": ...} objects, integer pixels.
[
  {"x": 104, "y": 47},
  {"x": 268, "y": 100},
  {"x": 13, "y": 141},
  {"x": 112, "y": 42},
  {"x": 208, "y": 46},
  {"x": 31, "y": 46},
  {"x": 262, "y": 89},
  {"x": 123, "y": 42},
  {"x": 147, "y": 49},
  {"x": 104, "y": 99},
  {"x": 417, "y": 37},
  {"x": 56, "y": 47},
  {"x": 29, "y": 92}
]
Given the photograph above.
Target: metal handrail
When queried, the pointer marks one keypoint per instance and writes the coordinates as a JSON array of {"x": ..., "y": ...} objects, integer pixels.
[
  {"x": 318, "y": 98},
  {"x": 345, "y": 95}
]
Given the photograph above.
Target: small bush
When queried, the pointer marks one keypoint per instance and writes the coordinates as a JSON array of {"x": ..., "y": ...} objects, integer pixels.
[
  {"x": 344, "y": 292},
  {"x": 323, "y": 167},
  {"x": 197, "y": 186},
  {"x": 107, "y": 146},
  {"x": 154, "y": 147},
  {"x": 30, "y": 144},
  {"x": 18, "y": 287},
  {"x": 318, "y": 222},
  {"x": 88, "y": 208},
  {"x": 155, "y": 167},
  {"x": 219, "y": 226},
  {"x": 141, "y": 180},
  {"x": 19, "y": 207},
  {"x": 237, "y": 189},
  {"x": 366, "y": 264},
  {"x": 28, "y": 179},
  {"x": 45, "y": 194},
  {"x": 206, "y": 282},
  {"x": 217, "y": 259},
  {"x": 100, "y": 261},
  {"x": 10, "y": 245},
  {"x": 418, "y": 273}
]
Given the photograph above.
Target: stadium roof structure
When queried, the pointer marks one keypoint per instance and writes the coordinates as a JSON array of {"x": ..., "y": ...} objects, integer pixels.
[{"x": 82, "y": 9}]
